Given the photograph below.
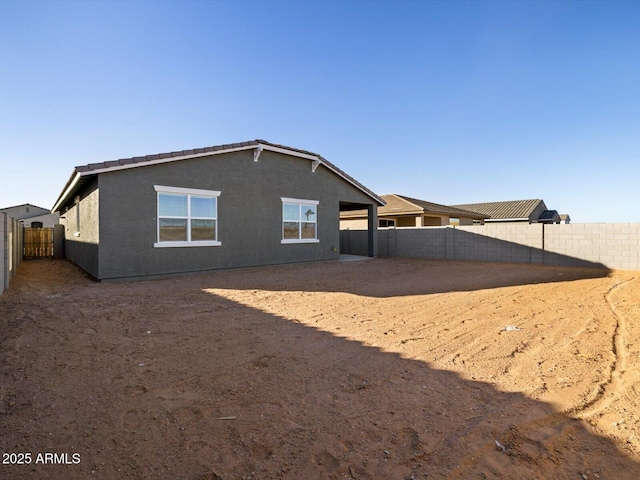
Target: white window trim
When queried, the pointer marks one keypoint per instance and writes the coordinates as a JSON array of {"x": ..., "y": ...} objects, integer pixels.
[
  {"x": 189, "y": 192},
  {"x": 300, "y": 201}
]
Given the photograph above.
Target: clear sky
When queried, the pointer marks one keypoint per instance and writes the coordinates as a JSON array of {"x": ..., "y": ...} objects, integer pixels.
[{"x": 447, "y": 101}]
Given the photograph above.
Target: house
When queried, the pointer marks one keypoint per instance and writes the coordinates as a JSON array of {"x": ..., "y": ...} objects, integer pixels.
[
  {"x": 235, "y": 205},
  {"x": 565, "y": 218},
  {"x": 31, "y": 215},
  {"x": 401, "y": 211},
  {"x": 529, "y": 211}
]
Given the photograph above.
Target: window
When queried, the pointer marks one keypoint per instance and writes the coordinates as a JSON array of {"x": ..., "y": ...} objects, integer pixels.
[
  {"x": 187, "y": 217},
  {"x": 36, "y": 224},
  {"x": 299, "y": 221},
  {"x": 386, "y": 223},
  {"x": 454, "y": 221}
]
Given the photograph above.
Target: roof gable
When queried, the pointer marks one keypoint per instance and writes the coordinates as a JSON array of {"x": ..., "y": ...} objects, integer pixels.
[{"x": 81, "y": 173}]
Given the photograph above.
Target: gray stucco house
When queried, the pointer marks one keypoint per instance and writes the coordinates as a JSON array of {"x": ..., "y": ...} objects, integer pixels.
[{"x": 236, "y": 205}]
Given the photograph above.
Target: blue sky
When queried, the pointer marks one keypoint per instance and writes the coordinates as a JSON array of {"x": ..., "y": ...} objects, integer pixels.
[{"x": 447, "y": 101}]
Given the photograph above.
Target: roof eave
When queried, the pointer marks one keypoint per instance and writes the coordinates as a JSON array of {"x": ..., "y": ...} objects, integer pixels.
[{"x": 131, "y": 163}]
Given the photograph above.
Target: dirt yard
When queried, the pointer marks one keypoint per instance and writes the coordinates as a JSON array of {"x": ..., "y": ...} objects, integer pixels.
[{"x": 378, "y": 369}]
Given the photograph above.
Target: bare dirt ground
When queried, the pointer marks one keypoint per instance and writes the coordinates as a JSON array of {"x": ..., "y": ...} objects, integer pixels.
[{"x": 380, "y": 369}]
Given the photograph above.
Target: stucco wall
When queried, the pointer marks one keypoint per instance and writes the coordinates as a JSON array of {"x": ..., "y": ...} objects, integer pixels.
[
  {"x": 48, "y": 220},
  {"x": 81, "y": 241},
  {"x": 615, "y": 246},
  {"x": 356, "y": 224},
  {"x": 249, "y": 213}
]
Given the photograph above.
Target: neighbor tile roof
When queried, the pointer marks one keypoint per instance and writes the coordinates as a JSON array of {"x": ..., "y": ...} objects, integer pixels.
[
  {"x": 430, "y": 207},
  {"x": 504, "y": 210},
  {"x": 401, "y": 205}
]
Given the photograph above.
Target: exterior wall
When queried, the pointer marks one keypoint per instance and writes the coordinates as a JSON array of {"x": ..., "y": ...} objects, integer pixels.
[
  {"x": 356, "y": 224},
  {"x": 48, "y": 220},
  {"x": 81, "y": 241},
  {"x": 11, "y": 248},
  {"x": 249, "y": 214},
  {"x": 24, "y": 211},
  {"x": 615, "y": 246},
  {"x": 535, "y": 215},
  {"x": 435, "y": 221},
  {"x": 406, "y": 221},
  {"x": 4, "y": 281}
]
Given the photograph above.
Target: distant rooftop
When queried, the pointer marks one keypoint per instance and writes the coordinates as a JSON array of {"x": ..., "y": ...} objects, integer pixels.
[{"x": 509, "y": 210}]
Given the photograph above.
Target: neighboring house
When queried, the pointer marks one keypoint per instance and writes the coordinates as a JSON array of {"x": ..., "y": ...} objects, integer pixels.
[
  {"x": 401, "y": 211},
  {"x": 32, "y": 216},
  {"x": 530, "y": 211},
  {"x": 565, "y": 218},
  {"x": 236, "y": 205}
]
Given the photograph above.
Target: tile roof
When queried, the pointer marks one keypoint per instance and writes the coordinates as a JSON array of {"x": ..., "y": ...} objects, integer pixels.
[
  {"x": 80, "y": 173},
  {"x": 510, "y": 210},
  {"x": 184, "y": 153},
  {"x": 430, "y": 207},
  {"x": 401, "y": 205}
]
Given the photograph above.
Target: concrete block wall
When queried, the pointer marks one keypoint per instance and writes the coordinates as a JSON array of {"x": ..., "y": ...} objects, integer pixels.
[
  {"x": 515, "y": 243},
  {"x": 354, "y": 242},
  {"x": 11, "y": 249},
  {"x": 608, "y": 245},
  {"x": 4, "y": 281},
  {"x": 614, "y": 245}
]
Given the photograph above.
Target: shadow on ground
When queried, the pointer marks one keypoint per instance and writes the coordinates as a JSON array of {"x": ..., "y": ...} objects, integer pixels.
[
  {"x": 407, "y": 276},
  {"x": 160, "y": 380}
]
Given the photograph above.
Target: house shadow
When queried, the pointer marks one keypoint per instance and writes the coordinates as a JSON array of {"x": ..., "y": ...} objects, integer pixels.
[
  {"x": 386, "y": 277},
  {"x": 445, "y": 243},
  {"x": 181, "y": 382}
]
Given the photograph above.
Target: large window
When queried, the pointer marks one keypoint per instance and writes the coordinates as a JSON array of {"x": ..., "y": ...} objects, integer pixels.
[
  {"x": 187, "y": 217},
  {"x": 299, "y": 221}
]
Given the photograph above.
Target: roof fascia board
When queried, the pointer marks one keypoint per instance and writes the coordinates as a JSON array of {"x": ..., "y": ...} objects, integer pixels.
[
  {"x": 524, "y": 219},
  {"x": 286, "y": 152},
  {"x": 259, "y": 147},
  {"x": 66, "y": 193},
  {"x": 165, "y": 160}
]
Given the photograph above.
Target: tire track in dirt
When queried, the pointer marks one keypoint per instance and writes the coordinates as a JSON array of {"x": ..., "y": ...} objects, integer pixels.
[
  {"x": 609, "y": 390},
  {"x": 542, "y": 431}
]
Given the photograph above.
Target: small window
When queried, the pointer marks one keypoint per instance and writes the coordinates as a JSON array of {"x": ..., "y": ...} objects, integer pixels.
[
  {"x": 187, "y": 217},
  {"x": 36, "y": 224},
  {"x": 386, "y": 223},
  {"x": 454, "y": 221},
  {"x": 299, "y": 221}
]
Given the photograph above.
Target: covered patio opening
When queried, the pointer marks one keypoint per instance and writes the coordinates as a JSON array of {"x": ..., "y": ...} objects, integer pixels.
[{"x": 360, "y": 242}]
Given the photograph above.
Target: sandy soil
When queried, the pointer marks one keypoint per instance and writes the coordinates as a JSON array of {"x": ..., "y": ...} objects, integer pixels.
[{"x": 379, "y": 369}]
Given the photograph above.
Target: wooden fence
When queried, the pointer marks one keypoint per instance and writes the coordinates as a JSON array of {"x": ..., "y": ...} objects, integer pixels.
[{"x": 38, "y": 242}]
